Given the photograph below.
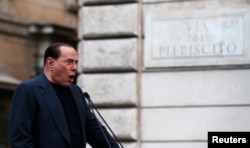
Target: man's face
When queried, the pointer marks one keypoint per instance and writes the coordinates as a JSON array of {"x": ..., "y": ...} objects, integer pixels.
[{"x": 65, "y": 66}]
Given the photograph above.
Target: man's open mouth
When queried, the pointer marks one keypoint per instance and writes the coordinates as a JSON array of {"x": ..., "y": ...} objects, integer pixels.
[{"x": 72, "y": 77}]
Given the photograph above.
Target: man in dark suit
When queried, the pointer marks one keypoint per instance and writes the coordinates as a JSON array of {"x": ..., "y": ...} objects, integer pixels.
[{"x": 49, "y": 111}]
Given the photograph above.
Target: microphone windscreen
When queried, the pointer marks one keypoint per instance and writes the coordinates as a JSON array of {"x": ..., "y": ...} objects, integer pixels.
[{"x": 86, "y": 95}]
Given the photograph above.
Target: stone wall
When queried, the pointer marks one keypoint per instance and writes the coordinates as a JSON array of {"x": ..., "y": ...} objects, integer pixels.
[
  {"x": 108, "y": 66},
  {"x": 166, "y": 72}
]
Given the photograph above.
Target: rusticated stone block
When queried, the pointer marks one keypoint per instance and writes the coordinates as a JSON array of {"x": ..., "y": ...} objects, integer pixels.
[
  {"x": 123, "y": 122},
  {"x": 196, "y": 88},
  {"x": 108, "y": 55},
  {"x": 166, "y": 124},
  {"x": 110, "y": 89},
  {"x": 108, "y": 21}
]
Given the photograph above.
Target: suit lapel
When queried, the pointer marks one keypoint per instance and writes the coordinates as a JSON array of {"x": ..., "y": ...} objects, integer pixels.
[
  {"x": 55, "y": 107},
  {"x": 79, "y": 100}
]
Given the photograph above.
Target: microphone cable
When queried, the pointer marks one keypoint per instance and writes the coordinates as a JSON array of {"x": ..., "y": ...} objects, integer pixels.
[
  {"x": 93, "y": 107},
  {"x": 99, "y": 125}
]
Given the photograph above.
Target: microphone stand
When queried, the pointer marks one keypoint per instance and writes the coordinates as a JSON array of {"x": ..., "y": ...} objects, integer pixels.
[{"x": 93, "y": 106}]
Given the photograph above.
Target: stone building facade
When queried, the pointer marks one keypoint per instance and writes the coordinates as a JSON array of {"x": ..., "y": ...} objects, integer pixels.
[
  {"x": 162, "y": 72},
  {"x": 166, "y": 72}
]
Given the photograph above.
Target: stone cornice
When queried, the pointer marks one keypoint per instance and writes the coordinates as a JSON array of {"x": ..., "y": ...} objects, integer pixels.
[
  {"x": 53, "y": 30},
  {"x": 13, "y": 26}
]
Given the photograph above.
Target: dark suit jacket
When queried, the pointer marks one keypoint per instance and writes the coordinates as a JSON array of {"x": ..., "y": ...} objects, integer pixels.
[{"x": 37, "y": 118}]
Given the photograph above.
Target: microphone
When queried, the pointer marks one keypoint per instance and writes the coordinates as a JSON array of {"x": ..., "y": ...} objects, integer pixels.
[{"x": 86, "y": 95}]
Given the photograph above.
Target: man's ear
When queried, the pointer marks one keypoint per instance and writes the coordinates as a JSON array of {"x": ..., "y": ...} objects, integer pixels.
[{"x": 50, "y": 62}]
